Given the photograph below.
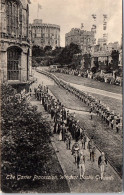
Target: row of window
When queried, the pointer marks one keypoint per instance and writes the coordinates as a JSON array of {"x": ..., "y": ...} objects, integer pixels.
[{"x": 45, "y": 36}]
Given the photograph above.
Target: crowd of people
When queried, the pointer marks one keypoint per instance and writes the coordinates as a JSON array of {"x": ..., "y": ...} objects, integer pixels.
[
  {"x": 96, "y": 106},
  {"x": 88, "y": 74},
  {"x": 67, "y": 129},
  {"x": 70, "y": 71},
  {"x": 113, "y": 120}
]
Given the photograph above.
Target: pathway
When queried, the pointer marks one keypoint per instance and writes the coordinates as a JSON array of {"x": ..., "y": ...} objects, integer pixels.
[{"x": 92, "y": 183}]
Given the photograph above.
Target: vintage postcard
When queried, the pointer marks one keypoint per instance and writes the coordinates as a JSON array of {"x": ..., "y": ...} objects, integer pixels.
[{"x": 61, "y": 96}]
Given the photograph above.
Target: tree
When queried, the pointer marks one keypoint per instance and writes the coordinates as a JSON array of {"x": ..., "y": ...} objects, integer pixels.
[
  {"x": 47, "y": 48},
  {"x": 66, "y": 55},
  {"x": 94, "y": 69},
  {"x": 87, "y": 61},
  {"x": 37, "y": 51},
  {"x": 25, "y": 140},
  {"x": 115, "y": 59},
  {"x": 56, "y": 51}
]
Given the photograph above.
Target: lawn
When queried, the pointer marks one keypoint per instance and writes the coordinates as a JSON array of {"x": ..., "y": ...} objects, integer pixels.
[
  {"x": 89, "y": 83},
  {"x": 114, "y": 104},
  {"x": 105, "y": 138}
]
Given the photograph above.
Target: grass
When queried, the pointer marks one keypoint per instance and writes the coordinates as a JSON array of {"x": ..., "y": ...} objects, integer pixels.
[
  {"x": 90, "y": 83},
  {"x": 113, "y": 104},
  {"x": 105, "y": 138}
]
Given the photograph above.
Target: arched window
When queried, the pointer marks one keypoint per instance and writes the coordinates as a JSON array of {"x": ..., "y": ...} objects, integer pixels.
[{"x": 13, "y": 63}]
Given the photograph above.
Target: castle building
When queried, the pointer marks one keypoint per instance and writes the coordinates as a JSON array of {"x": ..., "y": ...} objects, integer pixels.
[
  {"x": 85, "y": 39},
  {"x": 113, "y": 46},
  {"x": 44, "y": 34},
  {"x": 15, "y": 51}
]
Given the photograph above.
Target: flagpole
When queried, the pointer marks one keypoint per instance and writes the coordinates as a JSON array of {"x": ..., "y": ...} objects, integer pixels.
[
  {"x": 37, "y": 11},
  {"x": 39, "y": 7}
]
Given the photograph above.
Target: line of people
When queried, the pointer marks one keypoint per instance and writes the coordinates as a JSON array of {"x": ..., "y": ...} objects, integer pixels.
[
  {"x": 96, "y": 106},
  {"x": 113, "y": 120},
  {"x": 67, "y": 128}
]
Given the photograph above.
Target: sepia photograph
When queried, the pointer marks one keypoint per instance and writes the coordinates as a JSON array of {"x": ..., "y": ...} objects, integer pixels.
[{"x": 61, "y": 77}]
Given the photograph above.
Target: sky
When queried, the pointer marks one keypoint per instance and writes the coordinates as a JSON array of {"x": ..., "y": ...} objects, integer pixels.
[{"x": 71, "y": 13}]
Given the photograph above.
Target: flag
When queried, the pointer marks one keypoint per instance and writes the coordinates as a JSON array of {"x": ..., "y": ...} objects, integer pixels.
[
  {"x": 104, "y": 27},
  {"x": 105, "y": 36},
  {"x": 94, "y": 26},
  {"x": 82, "y": 25},
  {"x": 105, "y": 16},
  {"x": 29, "y": 1},
  {"x": 94, "y": 16},
  {"x": 39, "y": 6}
]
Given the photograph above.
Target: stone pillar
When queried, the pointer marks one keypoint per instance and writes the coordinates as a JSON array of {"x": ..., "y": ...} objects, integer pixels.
[
  {"x": 114, "y": 76},
  {"x": 3, "y": 56},
  {"x": 30, "y": 61},
  {"x": 23, "y": 67},
  {"x": 92, "y": 62}
]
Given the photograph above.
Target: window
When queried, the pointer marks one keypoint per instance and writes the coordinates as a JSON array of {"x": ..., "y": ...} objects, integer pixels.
[
  {"x": 9, "y": 16},
  {"x": 14, "y": 18},
  {"x": 35, "y": 34},
  {"x": 20, "y": 21},
  {"x": 13, "y": 62}
]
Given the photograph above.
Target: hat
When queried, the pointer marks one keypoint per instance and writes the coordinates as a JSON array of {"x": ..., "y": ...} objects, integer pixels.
[
  {"x": 76, "y": 148},
  {"x": 103, "y": 153}
]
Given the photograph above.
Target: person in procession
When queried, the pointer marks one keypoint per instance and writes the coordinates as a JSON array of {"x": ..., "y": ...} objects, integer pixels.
[
  {"x": 82, "y": 165},
  {"x": 102, "y": 162},
  {"x": 62, "y": 117}
]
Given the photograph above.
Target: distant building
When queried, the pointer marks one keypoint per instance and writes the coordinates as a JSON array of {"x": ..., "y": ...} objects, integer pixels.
[
  {"x": 85, "y": 39},
  {"x": 102, "y": 42},
  {"x": 113, "y": 46},
  {"x": 101, "y": 55},
  {"x": 44, "y": 34},
  {"x": 100, "y": 59},
  {"x": 14, "y": 42}
]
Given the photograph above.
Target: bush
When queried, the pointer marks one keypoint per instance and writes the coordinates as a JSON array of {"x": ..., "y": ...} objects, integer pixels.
[{"x": 23, "y": 132}]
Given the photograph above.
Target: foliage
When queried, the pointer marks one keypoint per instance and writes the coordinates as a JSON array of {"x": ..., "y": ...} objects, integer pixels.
[
  {"x": 25, "y": 140},
  {"x": 37, "y": 51},
  {"x": 66, "y": 55},
  {"x": 47, "y": 48},
  {"x": 87, "y": 61},
  {"x": 56, "y": 51},
  {"x": 94, "y": 69},
  {"x": 34, "y": 62},
  {"x": 115, "y": 59}
]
